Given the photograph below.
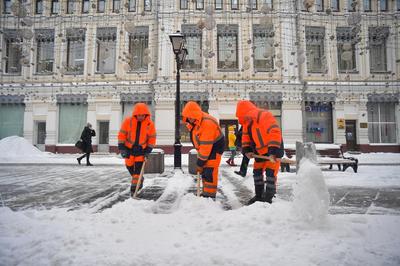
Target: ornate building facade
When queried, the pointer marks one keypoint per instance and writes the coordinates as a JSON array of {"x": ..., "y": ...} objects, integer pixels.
[{"x": 329, "y": 70}]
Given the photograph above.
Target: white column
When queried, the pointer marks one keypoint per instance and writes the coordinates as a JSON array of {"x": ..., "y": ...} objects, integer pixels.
[
  {"x": 115, "y": 122},
  {"x": 51, "y": 125},
  {"x": 292, "y": 122},
  {"x": 339, "y": 136},
  {"x": 165, "y": 122},
  {"x": 28, "y": 122},
  {"x": 363, "y": 118}
]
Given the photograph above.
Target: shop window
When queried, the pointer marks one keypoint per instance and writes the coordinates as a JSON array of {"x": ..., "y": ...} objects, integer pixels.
[
  {"x": 346, "y": 49},
  {"x": 227, "y": 42},
  {"x": 72, "y": 120},
  {"x": 377, "y": 48},
  {"x": 382, "y": 122},
  {"x": 263, "y": 41},
  {"x": 315, "y": 49},
  {"x": 193, "y": 37},
  {"x": 139, "y": 49},
  {"x": 44, "y": 51},
  {"x": 11, "y": 120},
  {"x": 13, "y": 52},
  {"x": 75, "y": 51},
  {"x": 318, "y": 118},
  {"x": 106, "y": 50}
]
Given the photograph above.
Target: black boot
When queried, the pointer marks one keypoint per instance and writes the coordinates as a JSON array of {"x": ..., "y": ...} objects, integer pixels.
[
  {"x": 270, "y": 187},
  {"x": 259, "y": 189},
  {"x": 87, "y": 160},
  {"x": 79, "y": 160}
]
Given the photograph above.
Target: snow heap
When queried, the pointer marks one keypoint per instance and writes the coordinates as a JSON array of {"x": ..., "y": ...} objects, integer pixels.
[
  {"x": 310, "y": 194},
  {"x": 15, "y": 147}
]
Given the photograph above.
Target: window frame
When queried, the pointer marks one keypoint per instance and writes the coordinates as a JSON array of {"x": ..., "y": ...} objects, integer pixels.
[
  {"x": 190, "y": 30},
  {"x": 85, "y": 6},
  {"x": 143, "y": 33},
  {"x": 218, "y": 4},
  {"x": 233, "y": 31},
  {"x": 38, "y": 41},
  {"x": 111, "y": 34},
  {"x": 38, "y": 7},
  {"x": 379, "y": 123},
  {"x": 317, "y": 33}
]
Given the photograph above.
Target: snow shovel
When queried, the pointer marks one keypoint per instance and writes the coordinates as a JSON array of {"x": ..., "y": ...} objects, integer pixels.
[
  {"x": 198, "y": 184},
  {"x": 283, "y": 160},
  {"x": 140, "y": 180}
]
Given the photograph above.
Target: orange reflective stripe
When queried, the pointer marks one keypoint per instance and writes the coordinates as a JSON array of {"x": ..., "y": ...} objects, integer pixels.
[
  {"x": 272, "y": 143},
  {"x": 271, "y": 127},
  {"x": 123, "y": 131},
  {"x": 205, "y": 157}
]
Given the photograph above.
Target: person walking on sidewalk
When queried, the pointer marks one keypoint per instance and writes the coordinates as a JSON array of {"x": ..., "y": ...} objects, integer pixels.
[
  {"x": 261, "y": 136},
  {"x": 231, "y": 145},
  {"x": 207, "y": 138},
  {"x": 136, "y": 139},
  {"x": 87, "y": 148},
  {"x": 245, "y": 161}
]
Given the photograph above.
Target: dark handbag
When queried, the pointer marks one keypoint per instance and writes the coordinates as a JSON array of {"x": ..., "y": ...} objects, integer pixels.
[{"x": 79, "y": 144}]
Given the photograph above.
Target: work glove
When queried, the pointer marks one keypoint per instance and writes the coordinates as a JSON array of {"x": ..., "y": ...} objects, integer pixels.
[
  {"x": 124, "y": 153},
  {"x": 199, "y": 169},
  {"x": 277, "y": 152}
]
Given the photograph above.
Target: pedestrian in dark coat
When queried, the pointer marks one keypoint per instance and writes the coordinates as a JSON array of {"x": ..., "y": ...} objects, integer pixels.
[{"x": 87, "y": 148}]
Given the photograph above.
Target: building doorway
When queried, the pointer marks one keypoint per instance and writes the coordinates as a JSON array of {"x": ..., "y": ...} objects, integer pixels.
[
  {"x": 104, "y": 128},
  {"x": 224, "y": 126},
  {"x": 40, "y": 135},
  {"x": 351, "y": 138}
]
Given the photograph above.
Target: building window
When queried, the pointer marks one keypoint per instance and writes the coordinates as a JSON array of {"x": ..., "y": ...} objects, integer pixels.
[
  {"x": 184, "y": 4},
  {"x": 377, "y": 48},
  {"x": 193, "y": 39},
  {"x": 346, "y": 49},
  {"x": 218, "y": 4},
  {"x": 7, "y": 7},
  {"x": 263, "y": 40},
  {"x": 55, "y": 7},
  {"x": 367, "y": 5},
  {"x": 315, "y": 49},
  {"x": 383, "y": 5},
  {"x": 106, "y": 49},
  {"x": 398, "y": 5},
  {"x": 139, "y": 49},
  {"x": 318, "y": 118},
  {"x": 131, "y": 5},
  {"x": 85, "y": 6},
  {"x": 101, "y": 5},
  {"x": 335, "y": 5},
  {"x": 70, "y": 6},
  {"x": 269, "y": 4},
  {"x": 75, "y": 51},
  {"x": 234, "y": 4},
  {"x": 39, "y": 7},
  {"x": 72, "y": 120},
  {"x": 185, "y": 134},
  {"x": 351, "y": 5},
  {"x": 252, "y": 4},
  {"x": 116, "y": 6},
  {"x": 147, "y": 5},
  {"x": 199, "y": 4},
  {"x": 381, "y": 122},
  {"x": 319, "y": 5},
  {"x": 12, "y": 120},
  {"x": 13, "y": 52},
  {"x": 227, "y": 42},
  {"x": 45, "y": 51}
]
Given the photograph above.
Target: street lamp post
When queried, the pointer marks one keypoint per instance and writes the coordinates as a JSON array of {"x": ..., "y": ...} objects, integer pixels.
[{"x": 177, "y": 40}]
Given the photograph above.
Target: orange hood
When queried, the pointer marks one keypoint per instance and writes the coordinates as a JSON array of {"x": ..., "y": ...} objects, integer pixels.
[
  {"x": 140, "y": 109},
  {"x": 192, "y": 110},
  {"x": 243, "y": 108}
]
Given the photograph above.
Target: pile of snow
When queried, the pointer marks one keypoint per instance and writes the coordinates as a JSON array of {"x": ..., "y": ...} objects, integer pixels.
[
  {"x": 310, "y": 194},
  {"x": 15, "y": 147}
]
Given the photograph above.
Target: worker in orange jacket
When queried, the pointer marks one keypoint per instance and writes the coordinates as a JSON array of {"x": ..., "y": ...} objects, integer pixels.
[
  {"x": 208, "y": 140},
  {"x": 261, "y": 136},
  {"x": 136, "y": 139}
]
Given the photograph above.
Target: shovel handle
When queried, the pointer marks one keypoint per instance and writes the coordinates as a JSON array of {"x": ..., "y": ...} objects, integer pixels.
[
  {"x": 140, "y": 180},
  {"x": 198, "y": 184}
]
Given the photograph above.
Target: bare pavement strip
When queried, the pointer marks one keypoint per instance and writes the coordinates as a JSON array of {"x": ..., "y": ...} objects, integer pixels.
[{"x": 74, "y": 187}]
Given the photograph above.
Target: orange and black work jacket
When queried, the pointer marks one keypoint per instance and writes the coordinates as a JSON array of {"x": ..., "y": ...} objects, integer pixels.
[
  {"x": 139, "y": 138},
  {"x": 261, "y": 133},
  {"x": 205, "y": 133}
]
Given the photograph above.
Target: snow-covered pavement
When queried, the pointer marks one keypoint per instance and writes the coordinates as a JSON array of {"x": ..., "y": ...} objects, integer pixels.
[{"x": 65, "y": 214}]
